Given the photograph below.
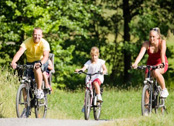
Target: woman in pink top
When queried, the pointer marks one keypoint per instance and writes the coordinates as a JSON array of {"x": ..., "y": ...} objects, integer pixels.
[{"x": 156, "y": 49}]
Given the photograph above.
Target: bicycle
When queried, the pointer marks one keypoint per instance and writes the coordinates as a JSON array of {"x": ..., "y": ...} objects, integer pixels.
[
  {"x": 151, "y": 88},
  {"x": 26, "y": 99},
  {"x": 91, "y": 98}
]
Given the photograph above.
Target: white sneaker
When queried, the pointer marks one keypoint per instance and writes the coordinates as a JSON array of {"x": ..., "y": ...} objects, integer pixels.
[
  {"x": 164, "y": 93},
  {"x": 39, "y": 94},
  {"x": 99, "y": 98}
]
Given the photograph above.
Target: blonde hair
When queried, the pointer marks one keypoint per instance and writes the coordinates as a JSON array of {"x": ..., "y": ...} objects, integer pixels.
[
  {"x": 94, "y": 51},
  {"x": 158, "y": 31}
]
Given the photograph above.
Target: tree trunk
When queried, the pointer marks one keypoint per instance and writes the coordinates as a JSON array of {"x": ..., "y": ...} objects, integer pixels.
[{"x": 127, "y": 55}]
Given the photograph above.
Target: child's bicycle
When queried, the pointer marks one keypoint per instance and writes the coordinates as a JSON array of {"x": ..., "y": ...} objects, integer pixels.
[
  {"x": 91, "y": 98},
  {"x": 26, "y": 99},
  {"x": 151, "y": 94}
]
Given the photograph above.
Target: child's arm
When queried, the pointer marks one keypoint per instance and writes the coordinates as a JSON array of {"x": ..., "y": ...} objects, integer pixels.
[
  {"x": 83, "y": 69},
  {"x": 104, "y": 69}
]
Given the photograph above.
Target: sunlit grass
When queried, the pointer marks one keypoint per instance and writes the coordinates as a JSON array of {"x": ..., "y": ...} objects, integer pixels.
[
  {"x": 120, "y": 107},
  {"x": 9, "y": 84},
  {"x": 170, "y": 43},
  {"x": 153, "y": 120},
  {"x": 118, "y": 104},
  {"x": 170, "y": 39}
]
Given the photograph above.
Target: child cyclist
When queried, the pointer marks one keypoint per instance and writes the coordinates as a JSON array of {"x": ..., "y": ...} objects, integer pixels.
[
  {"x": 46, "y": 74},
  {"x": 95, "y": 65}
]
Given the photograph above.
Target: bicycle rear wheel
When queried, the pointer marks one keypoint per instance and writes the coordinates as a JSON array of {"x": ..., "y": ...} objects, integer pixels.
[
  {"x": 21, "y": 102},
  {"x": 41, "y": 107},
  {"x": 160, "y": 103},
  {"x": 87, "y": 104},
  {"x": 161, "y": 109},
  {"x": 97, "y": 111},
  {"x": 146, "y": 107}
]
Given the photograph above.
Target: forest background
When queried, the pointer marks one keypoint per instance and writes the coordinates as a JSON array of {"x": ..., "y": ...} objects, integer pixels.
[{"x": 72, "y": 27}]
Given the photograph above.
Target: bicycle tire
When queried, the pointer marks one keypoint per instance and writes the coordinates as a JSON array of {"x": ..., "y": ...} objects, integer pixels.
[
  {"x": 159, "y": 102},
  {"x": 21, "y": 103},
  {"x": 87, "y": 104},
  {"x": 97, "y": 111},
  {"x": 160, "y": 109},
  {"x": 41, "y": 107},
  {"x": 145, "y": 106},
  {"x": 163, "y": 110}
]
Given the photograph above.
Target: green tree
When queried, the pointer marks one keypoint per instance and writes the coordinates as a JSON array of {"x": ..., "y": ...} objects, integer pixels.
[{"x": 66, "y": 24}]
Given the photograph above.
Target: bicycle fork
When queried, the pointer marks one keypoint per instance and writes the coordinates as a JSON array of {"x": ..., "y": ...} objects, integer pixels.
[
  {"x": 150, "y": 98},
  {"x": 28, "y": 100}
]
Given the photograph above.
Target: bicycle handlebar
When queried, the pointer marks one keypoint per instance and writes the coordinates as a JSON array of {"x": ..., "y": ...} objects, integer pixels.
[
  {"x": 79, "y": 72},
  {"x": 148, "y": 67},
  {"x": 25, "y": 66}
]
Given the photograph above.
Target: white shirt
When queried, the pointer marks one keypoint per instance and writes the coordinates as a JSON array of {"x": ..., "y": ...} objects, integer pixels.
[{"x": 94, "y": 68}]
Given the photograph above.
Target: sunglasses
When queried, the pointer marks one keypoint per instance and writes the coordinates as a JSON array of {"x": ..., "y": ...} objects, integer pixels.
[{"x": 154, "y": 29}]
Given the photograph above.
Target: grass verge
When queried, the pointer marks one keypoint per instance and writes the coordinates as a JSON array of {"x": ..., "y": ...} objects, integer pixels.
[{"x": 120, "y": 107}]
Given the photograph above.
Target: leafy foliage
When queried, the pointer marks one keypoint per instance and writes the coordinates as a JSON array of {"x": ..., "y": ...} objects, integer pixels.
[{"x": 72, "y": 27}]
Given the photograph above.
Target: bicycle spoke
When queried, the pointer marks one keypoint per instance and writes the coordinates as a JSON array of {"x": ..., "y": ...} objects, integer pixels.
[
  {"x": 21, "y": 101},
  {"x": 145, "y": 108},
  {"x": 87, "y": 105},
  {"x": 41, "y": 108},
  {"x": 97, "y": 111}
]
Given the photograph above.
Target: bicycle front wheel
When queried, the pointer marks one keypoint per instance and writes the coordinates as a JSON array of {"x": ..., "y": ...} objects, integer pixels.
[
  {"x": 41, "y": 107},
  {"x": 87, "y": 104},
  {"x": 146, "y": 107},
  {"x": 21, "y": 102}
]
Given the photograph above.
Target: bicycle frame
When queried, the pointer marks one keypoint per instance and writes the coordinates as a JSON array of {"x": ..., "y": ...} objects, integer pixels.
[{"x": 90, "y": 88}]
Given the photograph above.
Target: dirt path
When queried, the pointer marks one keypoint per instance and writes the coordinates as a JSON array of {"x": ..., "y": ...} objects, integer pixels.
[{"x": 47, "y": 122}]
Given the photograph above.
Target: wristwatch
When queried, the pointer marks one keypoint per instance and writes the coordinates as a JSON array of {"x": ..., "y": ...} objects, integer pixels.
[
  {"x": 163, "y": 64},
  {"x": 40, "y": 63}
]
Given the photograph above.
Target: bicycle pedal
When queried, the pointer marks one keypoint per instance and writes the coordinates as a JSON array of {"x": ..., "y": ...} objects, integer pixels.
[
  {"x": 163, "y": 98},
  {"x": 99, "y": 101}
]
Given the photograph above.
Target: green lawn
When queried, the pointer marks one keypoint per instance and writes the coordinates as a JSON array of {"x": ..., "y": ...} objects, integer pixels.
[{"x": 120, "y": 107}]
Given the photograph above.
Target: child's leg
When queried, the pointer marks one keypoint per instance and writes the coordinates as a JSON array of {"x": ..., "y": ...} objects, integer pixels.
[
  {"x": 45, "y": 79},
  {"x": 96, "y": 83},
  {"x": 97, "y": 87}
]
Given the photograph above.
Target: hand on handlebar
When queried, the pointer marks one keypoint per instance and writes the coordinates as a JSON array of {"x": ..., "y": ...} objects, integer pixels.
[
  {"x": 134, "y": 66},
  {"x": 37, "y": 65},
  {"x": 78, "y": 71},
  {"x": 161, "y": 65},
  {"x": 102, "y": 73},
  {"x": 13, "y": 65}
]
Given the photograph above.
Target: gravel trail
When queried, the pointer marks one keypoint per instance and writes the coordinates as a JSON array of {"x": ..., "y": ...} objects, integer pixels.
[{"x": 47, "y": 122}]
